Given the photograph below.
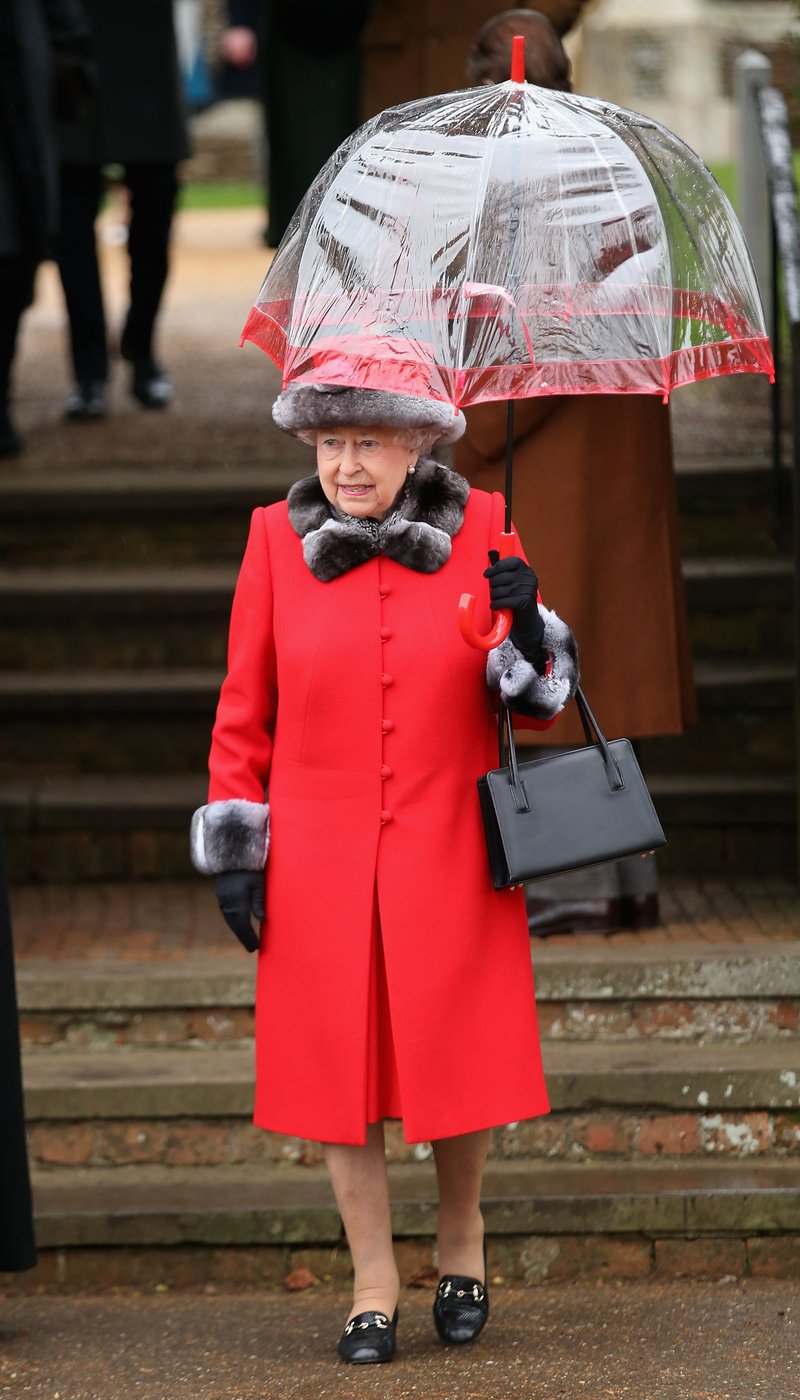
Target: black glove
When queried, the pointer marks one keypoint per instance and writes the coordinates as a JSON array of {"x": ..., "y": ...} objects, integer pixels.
[
  {"x": 514, "y": 585},
  {"x": 240, "y": 893}
]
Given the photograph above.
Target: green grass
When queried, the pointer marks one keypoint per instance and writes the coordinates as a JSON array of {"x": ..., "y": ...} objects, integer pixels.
[
  {"x": 222, "y": 194},
  {"x": 727, "y": 174},
  {"x": 246, "y": 194}
]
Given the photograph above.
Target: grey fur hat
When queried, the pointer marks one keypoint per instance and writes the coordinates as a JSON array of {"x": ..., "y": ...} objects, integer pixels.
[{"x": 303, "y": 408}]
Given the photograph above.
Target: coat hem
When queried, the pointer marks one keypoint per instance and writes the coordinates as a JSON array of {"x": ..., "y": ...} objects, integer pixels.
[{"x": 541, "y": 1110}]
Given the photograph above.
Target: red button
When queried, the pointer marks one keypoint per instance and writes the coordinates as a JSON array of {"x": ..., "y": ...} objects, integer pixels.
[
  {"x": 386, "y": 772},
  {"x": 386, "y": 817},
  {"x": 384, "y": 591},
  {"x": 387, "y": 726},
  {"x": 387, "y": 680},
  {"x": 386, "y": 633}
]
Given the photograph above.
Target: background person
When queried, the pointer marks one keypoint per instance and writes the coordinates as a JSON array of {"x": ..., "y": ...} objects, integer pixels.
[
  {"x": 137, "y": 121},
  {"x": 44, "y": 67},
  {"x": 352, "y": 694},
  {"x": 310, "y": 60},
  {"x": 594, "y": 502}
]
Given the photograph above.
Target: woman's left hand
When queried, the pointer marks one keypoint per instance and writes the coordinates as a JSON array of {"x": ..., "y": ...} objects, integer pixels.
[
  {"x": 240, "y": 895},
  {"x": 514, "y": 585}
]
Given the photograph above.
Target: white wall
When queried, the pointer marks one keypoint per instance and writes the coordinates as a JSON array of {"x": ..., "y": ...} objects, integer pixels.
[{"x": 671, "y": 59}]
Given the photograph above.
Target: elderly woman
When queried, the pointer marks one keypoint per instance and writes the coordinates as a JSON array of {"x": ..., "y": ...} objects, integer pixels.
[{"x": 352, "y": 694}]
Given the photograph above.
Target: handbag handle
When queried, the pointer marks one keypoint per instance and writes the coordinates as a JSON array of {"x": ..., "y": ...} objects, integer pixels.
[{"x": 594, "y": 735}]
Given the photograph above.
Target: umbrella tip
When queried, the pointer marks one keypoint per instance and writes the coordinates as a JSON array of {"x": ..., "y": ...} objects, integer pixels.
[{"x": 518, "y": 58}]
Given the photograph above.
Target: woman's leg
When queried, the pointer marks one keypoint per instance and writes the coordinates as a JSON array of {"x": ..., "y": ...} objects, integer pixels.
[
  {"x": 460, "y": 1163},
  {"x": 361, "y": 1188}
]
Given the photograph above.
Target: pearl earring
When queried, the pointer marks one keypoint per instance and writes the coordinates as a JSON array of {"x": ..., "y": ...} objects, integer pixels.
[{"x": 411, "y": 469}]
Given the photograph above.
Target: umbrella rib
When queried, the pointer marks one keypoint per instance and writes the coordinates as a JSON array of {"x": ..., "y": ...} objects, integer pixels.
[
  {"x": 472, "y": 245},
  {"x": 620, "y": 201}
]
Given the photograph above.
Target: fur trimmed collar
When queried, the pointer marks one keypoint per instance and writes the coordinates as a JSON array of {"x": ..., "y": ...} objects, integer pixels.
[{"x": 418, "y": 531}]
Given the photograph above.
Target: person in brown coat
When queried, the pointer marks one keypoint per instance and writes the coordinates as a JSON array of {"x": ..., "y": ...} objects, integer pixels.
[{"x": 595, "y": 507}]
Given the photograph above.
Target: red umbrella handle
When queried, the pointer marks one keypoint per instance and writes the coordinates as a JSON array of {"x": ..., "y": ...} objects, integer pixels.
[{"x": 501, "y": 622}]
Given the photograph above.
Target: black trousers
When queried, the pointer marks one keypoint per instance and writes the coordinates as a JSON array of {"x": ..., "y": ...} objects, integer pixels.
[
  {"x": 153, "y": 188},
  {"x": 16, "y": 293}
]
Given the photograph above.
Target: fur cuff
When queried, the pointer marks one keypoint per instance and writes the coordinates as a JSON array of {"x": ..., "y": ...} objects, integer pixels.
[
  {"x": 519, "y": 683},
  {"x": 231, "y": 835}
]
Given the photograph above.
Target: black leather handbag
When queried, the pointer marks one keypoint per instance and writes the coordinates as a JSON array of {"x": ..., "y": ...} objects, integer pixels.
[{"x": 565, "y": 810}]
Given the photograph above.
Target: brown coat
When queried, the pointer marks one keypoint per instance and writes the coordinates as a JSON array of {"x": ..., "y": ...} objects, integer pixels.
[{"x": 594, "y": 505}]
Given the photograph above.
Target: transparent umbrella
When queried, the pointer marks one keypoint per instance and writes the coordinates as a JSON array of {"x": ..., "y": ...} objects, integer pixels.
[{"x": 507, "y": 242}]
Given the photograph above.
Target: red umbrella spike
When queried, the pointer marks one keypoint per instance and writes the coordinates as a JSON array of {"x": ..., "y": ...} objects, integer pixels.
[{"x": 518, "y": 58}]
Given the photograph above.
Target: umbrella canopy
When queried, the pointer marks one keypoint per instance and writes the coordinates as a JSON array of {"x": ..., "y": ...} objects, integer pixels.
[{"x": 507, "y": 242}]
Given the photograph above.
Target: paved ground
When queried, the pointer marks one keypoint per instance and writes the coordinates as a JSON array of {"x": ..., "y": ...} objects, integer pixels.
[
  {"x": 175, "y": 919},
  {"x": 653, "y": 1342}
]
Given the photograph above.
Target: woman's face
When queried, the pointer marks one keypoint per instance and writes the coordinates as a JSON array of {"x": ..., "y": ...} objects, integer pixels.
[{"x": 362, "y": 470}]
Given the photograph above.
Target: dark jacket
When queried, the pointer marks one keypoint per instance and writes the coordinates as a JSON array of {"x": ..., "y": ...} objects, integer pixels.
[
  {"x": 38, "y": 39},
  {"x": 138, "y": 111},
  {"x": 315, "y": 27},
  {"x": 309, "y": 48}
]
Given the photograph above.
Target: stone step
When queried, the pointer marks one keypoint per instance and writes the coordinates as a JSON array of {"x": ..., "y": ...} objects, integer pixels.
[
  {"x": 104, "y": 618},
  {"x": 155, "y": 615},
  {"x": 99, "y": 827},
  {"x": 740, "y": 606},
  {"x": 676, "y": 992},
  {"x": 138, "y": 513},
  {"x": 242, "y": 1228},
  {"x": 747, "y": 723},
  {"x": 610, "y": 1101},
  {"x": 294, "y": 1205},
  {"x": 107, "y": 721},
  {"x": 102, "y": 722},
  {"x": 218, "y": 1083},
  {"x": 127, "y": 826},
  {"x": 723, "y": 823},
  {"x": 140, "y": 1106},
  {"x": 728, "y": 511}
]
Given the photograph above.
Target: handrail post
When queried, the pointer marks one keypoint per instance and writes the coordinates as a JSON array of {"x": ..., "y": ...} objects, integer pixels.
[
  {"x": 795, "y": 352},
  {"x": 776, "y": 394},
  {"x": 751, "y": 72},
  {"x": 777, "y": 155}
]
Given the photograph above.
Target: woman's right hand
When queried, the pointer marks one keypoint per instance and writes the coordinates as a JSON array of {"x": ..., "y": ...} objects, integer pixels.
[{"x": 240, "y": 895}]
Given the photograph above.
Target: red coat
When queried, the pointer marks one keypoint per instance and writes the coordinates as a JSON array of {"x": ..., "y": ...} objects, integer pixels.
[{"x": 359, "y": 704}]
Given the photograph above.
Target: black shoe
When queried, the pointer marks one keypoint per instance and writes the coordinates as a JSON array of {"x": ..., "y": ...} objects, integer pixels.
[
  {"x": 369, "y": 1337},
  {"x": 87, "y": 401},
  {"x": 461, "y": 1307},
  {"x": 151, "y": 385},
  {"x": 10, "y": 440},
  {"x": 639, "y": 911},
  {"x": 546, "y": 916}
]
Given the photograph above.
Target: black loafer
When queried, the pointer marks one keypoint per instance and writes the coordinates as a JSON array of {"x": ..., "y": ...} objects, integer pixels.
[
  {"x": 86, "y": 402},
  {"x": 369, "y": 1337},
  {"x": 460, "y": 1309},
  {"x": 151, "y": 386}
]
